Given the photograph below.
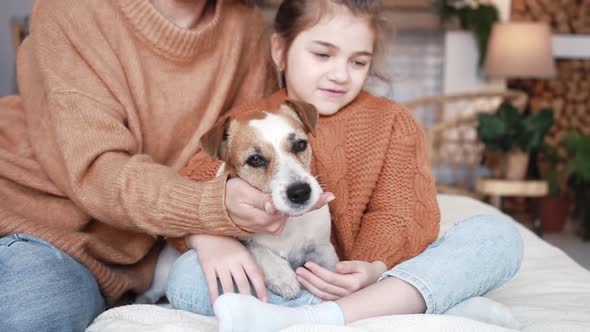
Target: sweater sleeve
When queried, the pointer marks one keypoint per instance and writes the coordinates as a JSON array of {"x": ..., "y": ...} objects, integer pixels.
[
  {"x": 201, "y": 167},
  {"x": 81, "y": 137},
  {"x": 403, "y": 215},
  {"x": 95, "y": 163}
]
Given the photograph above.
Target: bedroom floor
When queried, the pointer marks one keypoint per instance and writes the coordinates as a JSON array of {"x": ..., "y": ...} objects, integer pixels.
[
  {"x": 566, "y": 240},
  {"x": 572, "y": 244}
]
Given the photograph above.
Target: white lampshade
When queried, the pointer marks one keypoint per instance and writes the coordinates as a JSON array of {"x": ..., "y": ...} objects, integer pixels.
[{"x": 520, "y": 50}]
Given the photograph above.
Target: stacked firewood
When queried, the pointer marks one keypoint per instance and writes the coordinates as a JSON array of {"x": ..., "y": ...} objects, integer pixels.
[
  {"x": 568, "y": 95},
  {"x": 565, "y": 16}
]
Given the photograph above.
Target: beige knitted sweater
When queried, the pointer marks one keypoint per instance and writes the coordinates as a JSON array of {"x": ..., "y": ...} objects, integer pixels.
[{"x": 113, "y": 101}]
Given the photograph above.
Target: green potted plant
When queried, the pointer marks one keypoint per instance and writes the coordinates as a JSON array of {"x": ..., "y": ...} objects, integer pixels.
[
  {"x": 477, "y": 16},
  {"x": 578, "y": 170},
  {"x": 513, "y": 136}
]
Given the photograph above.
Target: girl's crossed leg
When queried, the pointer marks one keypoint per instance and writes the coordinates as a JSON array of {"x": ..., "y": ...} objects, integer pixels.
[{"x": 473, "y": 258}]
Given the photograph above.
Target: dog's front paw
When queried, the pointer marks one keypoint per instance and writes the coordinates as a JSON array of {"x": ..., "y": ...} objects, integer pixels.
[{"x": 283, "y": 283}]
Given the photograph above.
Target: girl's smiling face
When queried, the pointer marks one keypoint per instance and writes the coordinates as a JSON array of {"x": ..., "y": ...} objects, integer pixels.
[{"x": 327, "y": 64}]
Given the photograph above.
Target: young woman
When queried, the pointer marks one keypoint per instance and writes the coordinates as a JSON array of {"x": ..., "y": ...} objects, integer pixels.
[
  {"x": 114, "y": 97},
  {"x": 372, "y": 155}
]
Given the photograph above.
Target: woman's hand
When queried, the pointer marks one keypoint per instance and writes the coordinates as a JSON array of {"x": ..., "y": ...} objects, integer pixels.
[
  {"x": 226, "y": 259},
  {"x": 350, "y": 276},
  {"x": 252, "y": 210}
]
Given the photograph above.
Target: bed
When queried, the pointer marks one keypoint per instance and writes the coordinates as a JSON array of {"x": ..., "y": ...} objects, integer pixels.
[{"x": 551, "y": 292}]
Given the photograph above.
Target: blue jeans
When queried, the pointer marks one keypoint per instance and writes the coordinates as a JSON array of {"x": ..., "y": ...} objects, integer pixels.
[
  {"x": 473, "y": 258},
  {"x": 43, "y": 288}
]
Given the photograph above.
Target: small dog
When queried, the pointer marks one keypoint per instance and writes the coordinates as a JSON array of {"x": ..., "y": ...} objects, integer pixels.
[{"x": 270, "y": 151}]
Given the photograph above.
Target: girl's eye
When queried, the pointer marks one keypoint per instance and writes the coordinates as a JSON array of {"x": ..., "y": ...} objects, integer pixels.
[
  {"x": 321, "y": 55},
  {"x": 360, "y": 63},
  {"x": 300, "y": 146},
  {"x": 256, "y": 161}
]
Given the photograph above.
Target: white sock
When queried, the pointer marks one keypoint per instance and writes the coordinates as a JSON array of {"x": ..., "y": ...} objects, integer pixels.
[
  {"x": 485, "y": 310},
  {"x": 237, "y": 312}
]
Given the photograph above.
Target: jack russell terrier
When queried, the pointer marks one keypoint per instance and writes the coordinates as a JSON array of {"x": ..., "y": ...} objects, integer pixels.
[{"x": 270, "y": 151}]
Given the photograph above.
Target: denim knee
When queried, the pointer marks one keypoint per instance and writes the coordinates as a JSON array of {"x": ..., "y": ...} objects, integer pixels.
[
  {"x": 499, "y": 234},
  {"x": 187, "y": 286},
  {"x": 474, "y": 257},
  {"x": 47, "y": 289}
]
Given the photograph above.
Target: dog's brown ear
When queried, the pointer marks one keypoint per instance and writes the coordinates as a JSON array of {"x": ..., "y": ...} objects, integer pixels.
[
  {"x": 214, "y": 141},
  {"x": 307, "y": 114}
]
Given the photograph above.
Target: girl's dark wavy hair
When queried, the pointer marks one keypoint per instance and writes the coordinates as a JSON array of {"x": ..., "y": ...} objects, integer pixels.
[
  {"x": 294, "y": 16},
  {"x": 249, "y": 2}
]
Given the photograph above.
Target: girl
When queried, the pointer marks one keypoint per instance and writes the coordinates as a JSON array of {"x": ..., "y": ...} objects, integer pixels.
[{"x": 371, "y": 154}]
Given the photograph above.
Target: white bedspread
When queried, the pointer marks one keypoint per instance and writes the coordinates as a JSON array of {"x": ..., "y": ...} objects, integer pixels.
[{"x": 551, "y": 292}]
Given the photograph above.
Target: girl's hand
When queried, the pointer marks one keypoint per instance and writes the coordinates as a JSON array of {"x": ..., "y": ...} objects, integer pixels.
[
  {"x": 226, "y": 259},
  {"x": 252, "y": 210},
  {"x": 350, "y": 276}
]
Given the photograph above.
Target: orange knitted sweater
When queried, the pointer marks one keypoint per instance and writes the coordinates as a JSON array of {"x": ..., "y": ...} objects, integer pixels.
[
  {"x": 114, "y": 99},
  {"x": 372, "y": 155}
]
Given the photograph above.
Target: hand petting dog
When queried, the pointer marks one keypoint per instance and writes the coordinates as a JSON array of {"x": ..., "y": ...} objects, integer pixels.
[
  {"x": 226, "y": 259},
  {"x": 253, "y": 211},
  {"x": 350, "y": 276}
]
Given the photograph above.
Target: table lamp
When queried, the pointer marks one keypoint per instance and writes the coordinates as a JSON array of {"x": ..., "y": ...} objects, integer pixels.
[{"x": 520, "y": 50}]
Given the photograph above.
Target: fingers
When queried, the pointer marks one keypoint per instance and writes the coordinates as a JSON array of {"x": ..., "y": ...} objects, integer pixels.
[
  {"x": 316, "y": 291},
  {"x": 241, "y": 281},
  {"x": 255, "y": 213},
  {"x": 326, "y": 275},
  {"x": 228, "y": 265},
  {"x": 269, "y": 207},
  {"x": 265, "y": 223},
  {"x": 272, "y": 224},
  {"x": 329, "y": 197},
  {"x": 211, "y": 278},
  {"x": 246, "y": 205},
  {"x": 248, "y": 194},
  {"x": 351, "y": 281},
  {"x": 323, "y": 286},
  {"x": 348, "y": 267},
  {"x": 257, "y": 278},
  {"x": 227, "y": 284},
  {"x": 325, "y": 198},
  {"x": 256, "y": 221},
  {"x": 241, "y": 278}
]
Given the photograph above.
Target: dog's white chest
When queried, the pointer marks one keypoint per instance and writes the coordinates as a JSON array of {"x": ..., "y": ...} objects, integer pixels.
[{"x": 300, "y": 233}]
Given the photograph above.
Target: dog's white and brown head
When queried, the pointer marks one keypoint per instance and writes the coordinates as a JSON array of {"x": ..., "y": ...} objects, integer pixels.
[{"x": 270, "y": 150}]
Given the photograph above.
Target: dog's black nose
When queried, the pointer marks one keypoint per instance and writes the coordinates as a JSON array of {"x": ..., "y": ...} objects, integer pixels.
[{"x": 299, "y": 193}]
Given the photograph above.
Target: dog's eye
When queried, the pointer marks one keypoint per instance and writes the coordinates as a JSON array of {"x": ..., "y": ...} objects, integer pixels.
[
  {"x": 299, "y": 146},
  {"x": 256, "y": 161}
]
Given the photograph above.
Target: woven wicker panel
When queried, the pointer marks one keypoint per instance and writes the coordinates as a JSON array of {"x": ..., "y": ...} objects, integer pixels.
[{"x": 451, "y": 130}]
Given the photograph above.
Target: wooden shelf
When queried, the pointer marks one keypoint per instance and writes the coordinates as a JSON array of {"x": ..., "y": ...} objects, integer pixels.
[{"x": 524, "y": 188}]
